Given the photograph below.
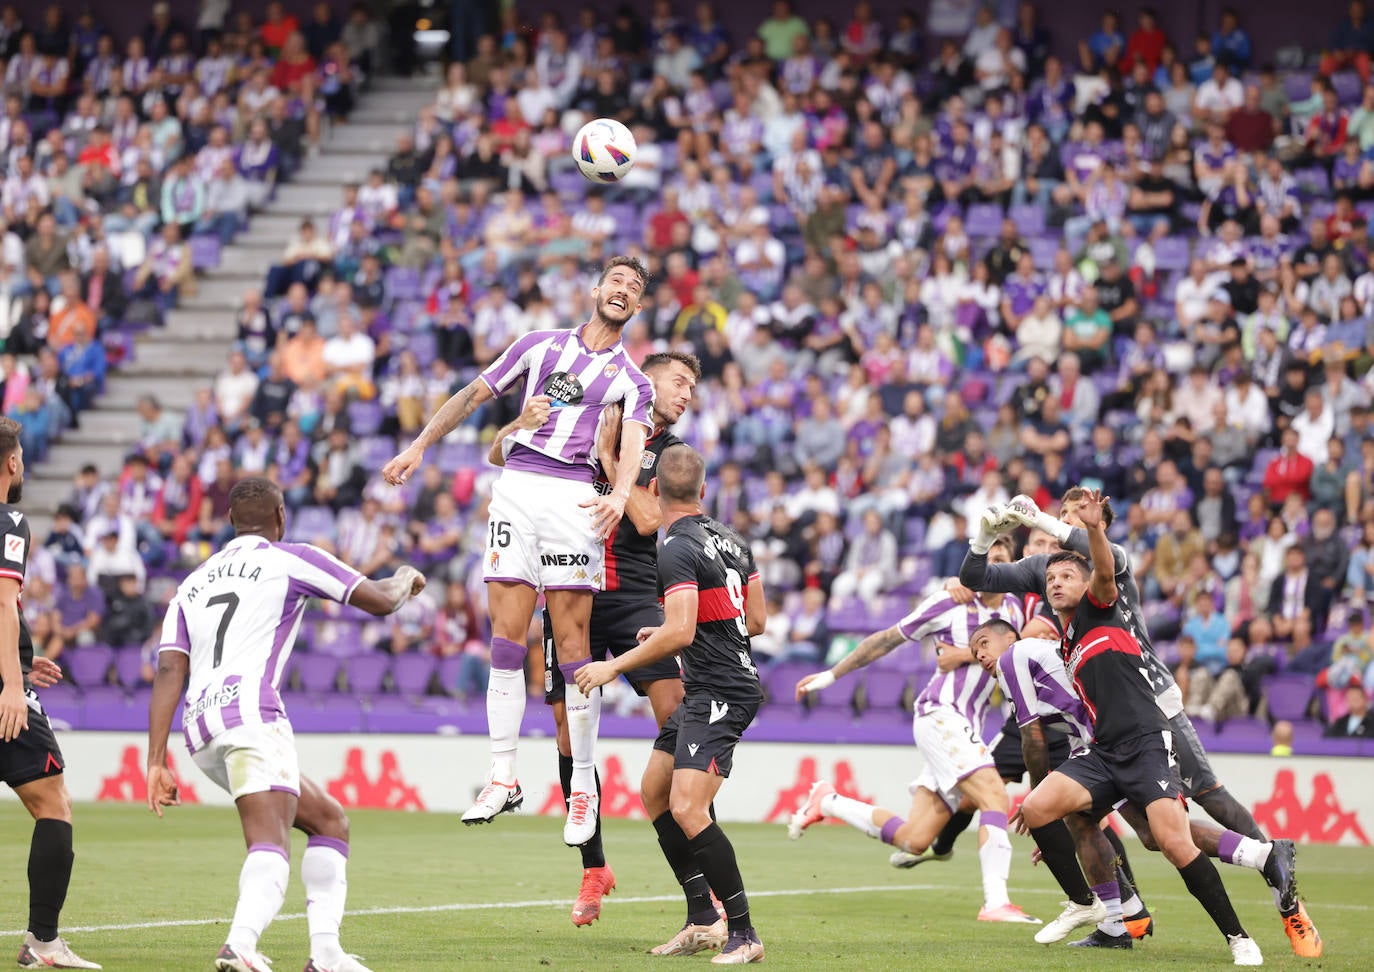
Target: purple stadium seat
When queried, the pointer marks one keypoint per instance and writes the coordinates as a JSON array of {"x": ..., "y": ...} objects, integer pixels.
[
  {"x": 129, "y": 667},
  {"x": 1043, "y": 251},
  {"x": 1172, "y": 253},
  {"x": 782, "y": 681},
  {"x": 412, "y": 672},
  {"x": 340, "y": 638},
  {"x": 62, "y": 703},
  {"x": 567, "y": 182},
  {"x": 448, "y": 673},
  {"x": 334, "y": 713},
  {"x": 365, "y": 673},
  {"x": 89, "y": 664},
  {"x": 406, "y": 315},
  {"x": 983, "y": 220},
  {"x": 364, "y": 418},
  {"x": 883, "y": 691},
  {"x": 318, "y": 673},
  {"x": 106, "y": 708},
  {"x": 403, "y": 283},
  {"x": 1029, "y": 220},
  {"x": 311, "y": 523},
  {"x": 1298, "y": 86},
  {"x": 205, "y": 252},
  {"x": 424, "y": 346},
  {"x": 1349, "y": 87},
  {"x": 454, "y": 456},
  {"x": 850, "y": 616},
  {"x": 1289, "y": 695}
]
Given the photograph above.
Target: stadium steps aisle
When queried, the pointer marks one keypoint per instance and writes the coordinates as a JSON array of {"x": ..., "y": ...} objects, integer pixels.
[{"x": 173, "y": 361}]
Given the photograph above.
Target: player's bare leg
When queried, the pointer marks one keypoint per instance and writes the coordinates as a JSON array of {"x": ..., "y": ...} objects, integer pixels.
[
  {"x": 512, "y": 607},
  {"x": 665, "y": 695},
  {"x": 324, "y": 869},
  {"x": 50, "y": 872},
  {"x": 689, "y": 801},
  {"x": 704, "y": 928},
  {"x": 267, "y": 818},
  {"x": 571, "y": 613},
  {"x": 942, "y": 847}
]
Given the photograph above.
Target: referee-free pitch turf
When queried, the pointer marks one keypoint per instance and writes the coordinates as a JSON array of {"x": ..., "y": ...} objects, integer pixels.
[{"x": 427, "y": 893}]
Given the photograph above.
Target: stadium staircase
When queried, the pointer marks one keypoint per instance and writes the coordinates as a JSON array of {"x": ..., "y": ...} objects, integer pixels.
[{"x": 171, "y": 362}]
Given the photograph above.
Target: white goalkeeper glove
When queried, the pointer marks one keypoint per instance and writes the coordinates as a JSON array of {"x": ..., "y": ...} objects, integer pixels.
[
  {"x": 1024, "y": 510},
  {"x": 990, "y": 525}
]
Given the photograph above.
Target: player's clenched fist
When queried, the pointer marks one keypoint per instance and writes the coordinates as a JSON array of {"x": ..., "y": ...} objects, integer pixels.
[
  {"x": 535, "y": 413},
  {"x": 814, "y": 683},
  {"x": 399, "y": 469},
  {"x": 417, "y": 579}
]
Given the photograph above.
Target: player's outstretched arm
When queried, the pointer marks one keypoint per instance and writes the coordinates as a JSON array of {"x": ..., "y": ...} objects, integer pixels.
[
  {"x": 869, "y": 650},
  {"x": 380, "y": 598},
  {"x": 168, "y": 684},
  {"x": 641, "y": 506},
  {"x": 676, "y": 632},
  {"x": 14, "y": 708},
  {"x": 607, "y": 510},
  {"x": 445, "y": 420},
  {"x": 1102, "y": 584}
]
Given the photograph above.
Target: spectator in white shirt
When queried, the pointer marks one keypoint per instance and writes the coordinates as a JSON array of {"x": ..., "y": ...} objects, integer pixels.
[
  {"x": 234, "y": 390},
  {"x": 677, "y": 61},
  {"x": 1247, "y": 406},
  {"x": 348, "y": 359},
  {"x": 760, "y": 260},
  {"x": 1315, "y": 425},
  {"x": 1196, "y": 400},
  {"x": 870, "y": 565},
  {"x": 1218, "y": 96}
]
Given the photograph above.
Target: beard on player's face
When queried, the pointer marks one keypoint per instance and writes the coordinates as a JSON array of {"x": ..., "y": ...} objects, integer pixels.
[
  {"x": 615, "y": 309},
  {"x": 16, "y": 492}
]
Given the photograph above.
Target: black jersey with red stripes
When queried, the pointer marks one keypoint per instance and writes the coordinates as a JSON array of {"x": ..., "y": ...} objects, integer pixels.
[
  {"x": 1110, "y": 673},
  {"x": 14, "y": 562},
  {"x": 704, "y": 555},
  {"x": 631, "y": 556}
]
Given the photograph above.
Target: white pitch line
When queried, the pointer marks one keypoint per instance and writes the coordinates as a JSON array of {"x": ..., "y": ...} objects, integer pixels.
[{"x": 562, "y": 903}]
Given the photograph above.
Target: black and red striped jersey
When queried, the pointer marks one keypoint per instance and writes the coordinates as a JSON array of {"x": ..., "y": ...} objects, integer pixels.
[
  {"x": 1110, "y": 673},
  {"x": 14, "y": 562},
  {"x": 631, "y": 557},
  {"x": 701, "y": 554}
]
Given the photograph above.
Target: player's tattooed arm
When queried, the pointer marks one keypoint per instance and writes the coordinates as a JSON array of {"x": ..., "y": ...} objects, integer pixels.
[
  {"x": 450, "y": 414},
  {"x": 1035, "y": 751},
  {"x": 870, "y": 650}
]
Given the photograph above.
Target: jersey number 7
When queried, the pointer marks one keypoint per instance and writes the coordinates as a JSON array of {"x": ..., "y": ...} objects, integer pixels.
[{"x": 231, "y": 602}]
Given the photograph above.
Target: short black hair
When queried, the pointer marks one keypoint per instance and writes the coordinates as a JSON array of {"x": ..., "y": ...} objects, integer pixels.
[
  {"x": 1070, "y": 557},
  {"x": 994, "y": 624},
  {"x": 625, "y": 261},
  {"x": 1076, "y": 493},
  {"x": 9, "y": 437},
  {"x": 663, "y": 358},
  {"x": 253, "y": 500}
]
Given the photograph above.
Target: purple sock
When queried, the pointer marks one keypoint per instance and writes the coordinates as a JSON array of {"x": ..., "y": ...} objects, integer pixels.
[
  {"x": 993, "y": 818},
  {"x": 1227, "y": 844},
  {"x": 888, "y": 833},
  {"x": 569, "y": 670},
  {"x": 506, "y": 655}
]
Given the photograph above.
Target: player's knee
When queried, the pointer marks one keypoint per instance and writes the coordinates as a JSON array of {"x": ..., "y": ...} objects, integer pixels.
[
  {"x": 1034, "y": 813},
  {"x": 910, "y": 839},
  {"x": 690, "y": 817},
  {"x": 1178, "y": 849}
]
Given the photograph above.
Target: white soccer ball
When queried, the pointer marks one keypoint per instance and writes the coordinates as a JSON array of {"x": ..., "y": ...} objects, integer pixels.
[{"x": 604, "y": 150}]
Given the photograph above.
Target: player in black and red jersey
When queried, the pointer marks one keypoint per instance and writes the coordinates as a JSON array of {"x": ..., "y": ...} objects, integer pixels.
[
  {"x": 1132, "y": 755},
  {"x": 713, "y": 603},
  {"x": 628, "y": 600}
]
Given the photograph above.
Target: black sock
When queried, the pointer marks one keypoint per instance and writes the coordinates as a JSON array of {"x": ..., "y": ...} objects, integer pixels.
[
  {"x": 1204, "y": 883},
  {"x": 50, "y": 871},
  {"x": 700, "y": 911},
  {"x": 593, "y": 855},
  {"x": 1230, "y": 813},
  {"x": 1057, "y": 851},
  {"x": 716, "y": 856},
  {"x": 944, "y": 840}
]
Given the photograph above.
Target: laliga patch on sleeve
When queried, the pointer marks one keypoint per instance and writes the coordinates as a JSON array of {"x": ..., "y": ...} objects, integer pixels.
[{"x": 14, "y": 549}]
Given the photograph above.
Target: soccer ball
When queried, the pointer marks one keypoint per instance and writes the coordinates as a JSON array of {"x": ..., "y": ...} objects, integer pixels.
[{"x": 604, "y": 150}]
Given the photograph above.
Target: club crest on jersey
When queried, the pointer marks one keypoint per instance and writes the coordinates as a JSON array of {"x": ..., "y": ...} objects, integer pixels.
[
  {"x": 646, "y": 461},
  {"x": 495, "y": 560},
  {"x": 564, "y": 388},
  {"x": 611, "y": 370}
]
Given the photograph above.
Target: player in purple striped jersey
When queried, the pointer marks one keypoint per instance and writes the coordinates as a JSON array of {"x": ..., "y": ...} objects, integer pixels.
[
  {"x": 228, "y": 634},
  {"x": 947, "y": 729},
  {"x": 548, "y": 521}
]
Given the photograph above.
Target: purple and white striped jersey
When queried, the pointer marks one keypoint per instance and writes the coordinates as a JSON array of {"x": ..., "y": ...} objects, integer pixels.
[
  {"x": 967, "y": 688},
  {"x": 236, "y": 616},
  {"x": 1031, "y": 673},
  {"x": 582, "y": 384}
]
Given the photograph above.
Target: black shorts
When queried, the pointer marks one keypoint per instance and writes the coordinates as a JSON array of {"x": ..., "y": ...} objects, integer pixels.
[
  {"x": 701, "y": 734},
  {"x": 1194, "y": 769},
  {"x": 1006, "y": 751},
  {"x": 33, "y": 754},
  {"x": 615, "y": 623},
  {"x": 1139, "y": 771}
]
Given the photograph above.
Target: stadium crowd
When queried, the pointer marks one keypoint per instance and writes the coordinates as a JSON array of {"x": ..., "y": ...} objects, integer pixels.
[{"x": 924, "y": 267}]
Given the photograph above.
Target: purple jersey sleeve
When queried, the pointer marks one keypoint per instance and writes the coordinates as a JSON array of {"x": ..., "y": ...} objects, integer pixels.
[
  {"x": 502, "y": 373},
  {"x": 639, "y": 401},
  {"x": 923, "y": 620},
  {"x": 1020, "y": 687},
  {"x": 317, "y": 574},
  {"x": 175, "y": 637}
]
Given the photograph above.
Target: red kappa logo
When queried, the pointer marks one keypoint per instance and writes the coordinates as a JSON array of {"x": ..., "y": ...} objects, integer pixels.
[
  {"x": 1321, "y": 821},
  {"x": 388, "y": 791}
]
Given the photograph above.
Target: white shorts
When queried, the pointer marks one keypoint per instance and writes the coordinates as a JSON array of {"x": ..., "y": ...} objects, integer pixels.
[
  {"x": 539, "y": 534},
  {"x": 252, "y": 758},
  {"x": 952, "y": 750}
]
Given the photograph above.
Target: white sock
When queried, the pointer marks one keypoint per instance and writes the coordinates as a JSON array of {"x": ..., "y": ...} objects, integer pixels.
[
  {"x": 505, "y": 712},
  {"x": 1132, "y": 905},
  {"x": 1110, "y": 895},
  {"x": 584, "y": 720},
  {"x": 262, "y": 889},
  {"x": 994, "y": 856},
  {"x": 858, "y": 815},
  {"x": 324, "y": 873},
  {"x": 1251, "y": 853}
]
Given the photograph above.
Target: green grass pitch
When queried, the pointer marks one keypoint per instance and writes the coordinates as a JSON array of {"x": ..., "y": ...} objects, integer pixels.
[{"x": 426, "y": 893}]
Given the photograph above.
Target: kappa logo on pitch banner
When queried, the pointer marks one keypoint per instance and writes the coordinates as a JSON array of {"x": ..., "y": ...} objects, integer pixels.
[{"x": 564, "y": 560}]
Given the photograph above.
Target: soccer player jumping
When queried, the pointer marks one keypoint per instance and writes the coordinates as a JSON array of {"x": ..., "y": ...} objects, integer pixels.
[
  {"x": 548, "y": 522},
  {"x": 230, "y": 628},
  {"x": 1132, "y": 755}
]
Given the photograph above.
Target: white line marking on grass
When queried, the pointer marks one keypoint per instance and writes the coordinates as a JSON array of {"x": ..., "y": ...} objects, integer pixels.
[{"x": 563, "y": 903}]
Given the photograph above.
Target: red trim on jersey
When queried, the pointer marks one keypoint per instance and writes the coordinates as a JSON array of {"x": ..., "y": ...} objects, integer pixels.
[
  {"x": 753, "y": 577},
  {"x": 714, "y": 604},
  {"x": 683, "y": 586},
  {"x": 1095, "y": 602},
  {"x": 610, "y": 573}
]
